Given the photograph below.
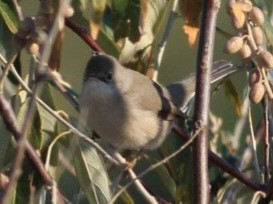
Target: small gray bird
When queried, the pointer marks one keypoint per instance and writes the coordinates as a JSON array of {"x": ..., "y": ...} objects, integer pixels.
[{"x": 130, "y": 111}]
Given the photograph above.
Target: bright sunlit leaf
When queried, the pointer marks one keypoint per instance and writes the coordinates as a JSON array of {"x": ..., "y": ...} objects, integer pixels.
[{"x": 191, "y": 10}]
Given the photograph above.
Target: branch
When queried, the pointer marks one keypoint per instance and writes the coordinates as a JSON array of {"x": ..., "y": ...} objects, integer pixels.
[
  {"x": 59, "y": 118},
  {"x": 83, "y": 35},
  {"x": 162, "y": 44},
  {"x": 226, "y": 167},
  {"x": 202, "y": 99},
  {"x": 10, "y": 121},
  {"x": 154, "y": 166}
]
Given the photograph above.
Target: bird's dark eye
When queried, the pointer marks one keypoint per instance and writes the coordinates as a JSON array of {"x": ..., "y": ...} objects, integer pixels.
[{"x": 109, "y": 76}]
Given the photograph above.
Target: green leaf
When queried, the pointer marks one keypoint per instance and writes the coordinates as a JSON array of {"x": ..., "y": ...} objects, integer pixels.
[
  {"x": 120, "y": 6},
  {"x": 80, "y": 17},
  {"x": 91, "y": 173},
  {"x": 49, "y": 123},
  {"x": 234, "y": 96},
  {"x": 35, "y": 135},
  {"x": 126, "y": 197},
  {"x": 5, "y": 138},
  {"x": 9, "y": 15},
  {"x": 7, "y": 47},
  {"x": 108, "y": 44},
  {"x": 166, "y": 179}
]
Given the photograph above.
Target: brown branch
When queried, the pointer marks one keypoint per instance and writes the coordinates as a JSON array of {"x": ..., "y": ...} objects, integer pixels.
[
  {"x": 225, "y": 166},
  {"x": 269, "y": 193},
  {"x": 10, "y": 121},
  {"x": 84, "y": 35},
  {"x": 15, "y": 172},
  {"x": 202, "y": 99}
]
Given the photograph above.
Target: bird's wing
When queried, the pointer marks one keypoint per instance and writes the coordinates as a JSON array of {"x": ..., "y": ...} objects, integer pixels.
[{"x": 154, "y": 97}]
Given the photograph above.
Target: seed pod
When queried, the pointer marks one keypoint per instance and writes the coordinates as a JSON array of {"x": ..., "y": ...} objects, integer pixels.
[
  {"x": 256, "y": 16},
  {"x": 69, "y": 11},
  {"x": 266, "y": 59},
  {"x": 257, "y": 35},
  {"x": 31, "y": 47},
  {"x": 256, "y": 93},
  {"x": 254, "y": 77},
  {"x": 234, "y": 44},
  {"x": 245, "y": 6},
  {"x": 245, "y": 51}
]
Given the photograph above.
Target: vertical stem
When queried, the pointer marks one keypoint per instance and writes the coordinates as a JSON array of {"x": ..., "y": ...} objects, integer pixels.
[
  {"x": 202, "y": 100},
  {"x": 266, "y": 140}
]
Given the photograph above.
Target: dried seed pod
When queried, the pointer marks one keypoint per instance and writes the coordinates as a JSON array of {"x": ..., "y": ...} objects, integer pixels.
[
  {"x": 69, "y": 11},
  {"x": 245, "y": 6},
  {"x": 234, "y": 44},
  {"x": 256, "y": 92},
  {"x": 256, "y": 15},
  {"x": 258, "y": 35},
  {"x": 266, "y": 59},
  {"x": 245, "y": 51},
  {"x": 254, "y": 77},
  {"x": 32, "y": 48}
]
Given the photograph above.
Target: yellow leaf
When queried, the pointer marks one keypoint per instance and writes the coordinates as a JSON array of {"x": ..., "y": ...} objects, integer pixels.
[
  {"x": 191, "y": 10},
  {"x": 192, "y": 34},
  {"x": 97, "y": 9}
]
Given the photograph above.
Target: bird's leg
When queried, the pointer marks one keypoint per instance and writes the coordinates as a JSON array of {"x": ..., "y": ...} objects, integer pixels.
[{"x": 133, "y": 162}]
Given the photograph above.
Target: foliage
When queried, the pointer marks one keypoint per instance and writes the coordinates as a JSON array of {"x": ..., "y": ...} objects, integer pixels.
[{"x": 135, "y": 32}]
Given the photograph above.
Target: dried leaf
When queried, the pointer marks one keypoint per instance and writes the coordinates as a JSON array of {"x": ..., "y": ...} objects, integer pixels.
[
  {"x": 55, "y": 57},
  {"x": 192, "y": 34},
  {"x": 238, "y": 11},
  {"x": 191, "y": 10},
  {"x": 98, "y": 7},
  {"x": 143, "y": 14},
  {"x": 234, "y": 96}
]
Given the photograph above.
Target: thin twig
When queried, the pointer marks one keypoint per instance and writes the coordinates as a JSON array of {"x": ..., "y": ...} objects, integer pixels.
[
  {"x": 226, "y": 167},
  {"x": 20, "y": 155},
  {"x": 154, "y": 166},
  {"x": 83, "y": 35},
  {"x": 50, "y": 147},
  {"x": 16, "y": 171},
  {"x": 10, "y": 120},
  {"x": 6, "y": 71},
  {"x": 146, "y": 195},
  {"x": 256, "y": 49},
  {"x": 254, "y": 145},
  {"x": 162, "y": 44},
  {"x": 59, "y": 118},
  {"x": 18, "y": 9},
  {"x": 239, "y": 126}
]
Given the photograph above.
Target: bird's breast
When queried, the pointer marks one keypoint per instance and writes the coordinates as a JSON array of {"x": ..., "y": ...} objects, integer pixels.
[{"x": 119, "y": 121}]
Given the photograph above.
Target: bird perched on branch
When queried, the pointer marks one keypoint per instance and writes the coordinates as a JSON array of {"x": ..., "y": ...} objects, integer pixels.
[{"x": 130, "y": 111}]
